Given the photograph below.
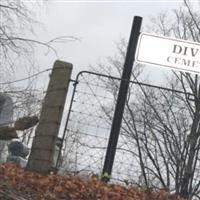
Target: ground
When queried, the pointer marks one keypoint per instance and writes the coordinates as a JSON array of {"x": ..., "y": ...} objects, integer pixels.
[{"x": 17, "y": 183}]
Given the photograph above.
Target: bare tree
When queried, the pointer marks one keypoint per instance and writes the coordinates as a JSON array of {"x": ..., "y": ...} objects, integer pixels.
[
  {"x": 163, "y": 125},
  {"x": 17, "y": 47},
  {"x": 187, "y": 26},
  {"x": 18, "y": 19},
  {"x": 17, "y": 51}
]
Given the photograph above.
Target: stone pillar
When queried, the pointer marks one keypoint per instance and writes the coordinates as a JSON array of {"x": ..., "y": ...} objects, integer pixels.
[{"x": 43, "y": 147}]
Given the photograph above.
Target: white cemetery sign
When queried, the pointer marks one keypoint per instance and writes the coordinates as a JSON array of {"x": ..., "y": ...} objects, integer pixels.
[{"x": 168, "y": 52}]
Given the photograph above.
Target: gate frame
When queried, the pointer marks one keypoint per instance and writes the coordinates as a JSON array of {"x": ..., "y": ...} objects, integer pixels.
[{"x": 75, "y": 84}]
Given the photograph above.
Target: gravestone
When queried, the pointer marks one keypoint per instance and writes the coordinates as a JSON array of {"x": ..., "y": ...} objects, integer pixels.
[
  {"x": 6, "y": 109},
  {"x": 6, "y": 117},
  {"x": 18, "y": 153}
]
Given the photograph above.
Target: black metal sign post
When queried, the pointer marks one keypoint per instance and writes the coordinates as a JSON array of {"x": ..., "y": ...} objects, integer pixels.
[{"x": 122, "y": 95}]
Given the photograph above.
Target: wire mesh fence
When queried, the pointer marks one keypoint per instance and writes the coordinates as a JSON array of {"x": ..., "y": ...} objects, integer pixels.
[
  {"x": 153, "y": 138},
  {"x": 88, "y": 128},
  {"x": 89, "y": 124}
]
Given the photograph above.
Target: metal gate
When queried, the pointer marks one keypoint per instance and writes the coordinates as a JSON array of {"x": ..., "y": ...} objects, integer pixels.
[{"x": 88, "y": 127}]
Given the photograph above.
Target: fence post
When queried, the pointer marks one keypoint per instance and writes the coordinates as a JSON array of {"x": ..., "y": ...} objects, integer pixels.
[
  {"x": 41, "y": 156},
  {"x": 119, "y": 109}
]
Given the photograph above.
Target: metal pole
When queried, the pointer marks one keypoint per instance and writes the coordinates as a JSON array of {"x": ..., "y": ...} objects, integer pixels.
[{"x": 122, "y": 95}]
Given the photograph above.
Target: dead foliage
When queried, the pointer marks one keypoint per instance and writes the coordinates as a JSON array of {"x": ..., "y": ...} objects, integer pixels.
[{"x": 18, "y": 184}]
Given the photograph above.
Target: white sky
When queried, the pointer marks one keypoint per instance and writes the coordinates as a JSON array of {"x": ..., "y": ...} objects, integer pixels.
[{"x": 98, "y": 25}]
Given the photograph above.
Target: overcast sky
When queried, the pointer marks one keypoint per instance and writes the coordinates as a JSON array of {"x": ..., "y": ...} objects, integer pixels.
[{"x": 98, "y": 25}]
